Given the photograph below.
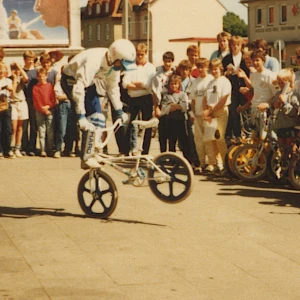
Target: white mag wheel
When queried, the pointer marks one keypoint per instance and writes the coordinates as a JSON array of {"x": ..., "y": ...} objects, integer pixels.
[
  {"x": 97, "y": 196},
  {"x": 181, "y": 177}
]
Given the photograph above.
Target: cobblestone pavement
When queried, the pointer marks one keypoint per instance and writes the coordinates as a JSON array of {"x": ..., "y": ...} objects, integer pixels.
[{"x": 228, "y": 240}]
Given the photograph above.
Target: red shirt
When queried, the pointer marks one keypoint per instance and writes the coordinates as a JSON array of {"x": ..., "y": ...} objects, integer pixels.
[{"x": 42, "y": 95}]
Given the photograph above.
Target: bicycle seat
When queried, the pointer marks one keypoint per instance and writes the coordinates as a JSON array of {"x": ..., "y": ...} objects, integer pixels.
[{"x": 153, "y": 122}]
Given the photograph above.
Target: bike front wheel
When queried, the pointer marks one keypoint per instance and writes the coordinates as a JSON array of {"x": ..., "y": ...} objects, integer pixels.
[
  {"x": 97, "y": 196},
  {"x": 180, "y": 182},
  {"x": 247, "y": 165}
]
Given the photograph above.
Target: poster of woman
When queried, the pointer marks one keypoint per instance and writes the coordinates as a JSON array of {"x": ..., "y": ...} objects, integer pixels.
[{"x": 34, "y": 22}]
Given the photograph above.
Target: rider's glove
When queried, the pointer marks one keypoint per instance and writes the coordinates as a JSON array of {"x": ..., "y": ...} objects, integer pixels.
[
  {"x": 121, "y": 115},
  {"x": 85, "y": 125}
]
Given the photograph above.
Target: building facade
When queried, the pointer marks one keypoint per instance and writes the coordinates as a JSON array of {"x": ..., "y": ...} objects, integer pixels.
[
  {"x": 157, "y": 23},
  {"x": 100, "y": 23},
  {"x": 275, "y": 20}
]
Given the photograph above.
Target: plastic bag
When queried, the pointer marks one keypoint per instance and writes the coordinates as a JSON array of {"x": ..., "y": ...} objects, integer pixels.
[{"x": 210, "y": 130}]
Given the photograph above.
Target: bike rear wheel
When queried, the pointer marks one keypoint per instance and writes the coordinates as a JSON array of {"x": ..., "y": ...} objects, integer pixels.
[
  {"x": 98, "y": 196},
  {"x": 247, "y": 166},
  {"x": 179, "y": 187},
  {"x": 294, "y": 172}
]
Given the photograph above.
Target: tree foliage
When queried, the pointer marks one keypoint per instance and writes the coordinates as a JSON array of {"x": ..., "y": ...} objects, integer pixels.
[{"x": 233, "y": 24}]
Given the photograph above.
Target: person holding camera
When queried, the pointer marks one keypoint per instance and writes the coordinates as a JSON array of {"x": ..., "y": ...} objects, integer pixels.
[
  {"x": 6, "y": 92},
  {"x": 19, "y": 107}
]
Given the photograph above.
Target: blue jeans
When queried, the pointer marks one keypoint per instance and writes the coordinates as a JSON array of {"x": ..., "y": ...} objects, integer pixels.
[
  {"x": 5, "y": 131},
  {"x": 29, "y": 139},
  {"x": 144, "y": 105},
  {"x": 66, "y": 125},
  {"x": 46, "y": 131}
]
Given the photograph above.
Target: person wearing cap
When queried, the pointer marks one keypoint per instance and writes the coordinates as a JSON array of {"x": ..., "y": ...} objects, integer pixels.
[
  {"x": 14, "y": 23},
  {"x": 90, "y": 76}
]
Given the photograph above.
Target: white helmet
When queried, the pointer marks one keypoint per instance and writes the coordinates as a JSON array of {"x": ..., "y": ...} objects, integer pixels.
[{"x": 124, "y": 51}]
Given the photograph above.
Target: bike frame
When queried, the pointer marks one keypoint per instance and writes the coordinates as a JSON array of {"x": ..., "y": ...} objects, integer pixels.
[{"x": 115, "y": 162}]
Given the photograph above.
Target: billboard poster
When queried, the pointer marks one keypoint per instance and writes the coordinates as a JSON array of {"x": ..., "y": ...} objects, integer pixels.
[{"x": 32, "y": 23}]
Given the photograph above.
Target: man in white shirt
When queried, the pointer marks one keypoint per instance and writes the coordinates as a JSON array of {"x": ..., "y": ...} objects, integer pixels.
[{"x": 138, "y": 84}]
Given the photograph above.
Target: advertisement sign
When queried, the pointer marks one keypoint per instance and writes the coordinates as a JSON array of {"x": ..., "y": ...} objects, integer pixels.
[{"x": 32, "y": 23}]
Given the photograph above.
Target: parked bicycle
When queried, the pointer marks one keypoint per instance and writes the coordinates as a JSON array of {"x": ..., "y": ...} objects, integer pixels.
[
  {"x": 169, "y": 175},
  {"x": 252, "y": 161}
]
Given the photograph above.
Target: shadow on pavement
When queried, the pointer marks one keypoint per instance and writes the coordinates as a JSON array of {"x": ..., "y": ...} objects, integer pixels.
[
  {"x": 274, "y": 197},
  {"x": 284, "y": 195},
  {"x": 28, "y": 212}
]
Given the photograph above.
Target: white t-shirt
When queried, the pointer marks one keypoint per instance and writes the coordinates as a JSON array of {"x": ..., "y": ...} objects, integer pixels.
[
  {"x": 264, "y": 89},
  {"x": 198, "y": 89},
  {"x": 217, "y": 89},
  {"x": 5, "y": 82},
  {"x": 143, "y": 73},
  {"x": 237, "y": 60}
]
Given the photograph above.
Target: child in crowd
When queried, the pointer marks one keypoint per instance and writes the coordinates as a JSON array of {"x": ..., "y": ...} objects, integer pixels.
[
  {"x": 233, "y": 63},
  {"x": 247, "y": 93},
  {"x": 285, "y": 106},
  {"x": 193, "y": 52},
  {"x": 198, "y": 89},
  {"x": 66, "y": 123},
  {"x": 174, "y": 105},
  {"x": 223, "y": 50},
  {"x": 271, "y": 63},
  {"x": 44, "y": 102},
  {"x": 215, "y": 105},
  {"x": 263, "y": 89},
  {"x": 184, "y": 69},
  {"x": 19, "y": 107},
  {"x": 29, "y": 126},
  {"x": 159, "y": 88},
  {"x": 6, "y": 93},
  {"x": 46, "y": 62}
]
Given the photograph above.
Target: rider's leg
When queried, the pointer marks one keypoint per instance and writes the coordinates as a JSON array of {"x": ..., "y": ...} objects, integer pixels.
[{"x": 90, "y": 138}]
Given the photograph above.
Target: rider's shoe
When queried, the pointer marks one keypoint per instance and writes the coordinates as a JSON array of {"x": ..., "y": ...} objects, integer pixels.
[{"x": 90, "y": 163}]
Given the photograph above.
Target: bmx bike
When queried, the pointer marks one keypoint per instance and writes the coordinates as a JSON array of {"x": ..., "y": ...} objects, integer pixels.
[{"x": 169, "y": 175}]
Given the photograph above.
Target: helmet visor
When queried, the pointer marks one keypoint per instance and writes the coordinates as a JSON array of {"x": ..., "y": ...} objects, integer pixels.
[{"x": 128, "y": 65}]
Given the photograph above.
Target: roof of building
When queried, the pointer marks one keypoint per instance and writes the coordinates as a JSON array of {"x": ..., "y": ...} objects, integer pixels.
[{"x": 195, "y": 39}]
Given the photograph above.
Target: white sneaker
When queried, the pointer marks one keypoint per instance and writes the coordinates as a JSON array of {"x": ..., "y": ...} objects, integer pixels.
[
  {"x": 57, "y": 154},
  {"x": 11, "y": 154},
  {"x": 18, "y": 153}
]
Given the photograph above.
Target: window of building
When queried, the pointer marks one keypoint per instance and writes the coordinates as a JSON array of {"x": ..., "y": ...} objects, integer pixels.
[
  {"x": 258, "y": 16},
  {"x": 90, "y": 33},
  {"x": 107, "y": 31},
  {"x": 98, "y": 32},
  {"x": 145, "y": 24},
  {"x": 283, "y": 14},
  {"x": 89, "y": 9},
  {"x": 270, "y": 15},
  {"x": 106, "y": 5},
  {"x": 98, "y": 8}
]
